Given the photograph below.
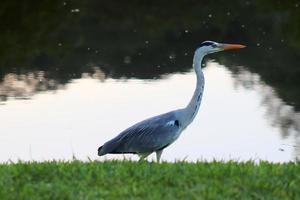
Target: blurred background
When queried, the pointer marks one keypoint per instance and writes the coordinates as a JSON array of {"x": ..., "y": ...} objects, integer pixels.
[{"x": 73, "y": 74}]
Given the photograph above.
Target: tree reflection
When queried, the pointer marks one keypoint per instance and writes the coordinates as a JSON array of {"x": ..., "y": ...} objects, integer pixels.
[
  {"x": 147, "y": 40},
  {"x": 278, "y": 113},
  {"x": 26, "y": 85}
]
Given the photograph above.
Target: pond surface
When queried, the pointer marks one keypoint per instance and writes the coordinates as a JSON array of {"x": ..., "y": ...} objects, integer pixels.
[
  {"x": 234, "y": 122},
  {"x": 74, "y": 74}
]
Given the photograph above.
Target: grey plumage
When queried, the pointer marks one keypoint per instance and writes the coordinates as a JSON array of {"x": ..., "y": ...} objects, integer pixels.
[
  {"x": 156, "y": 133},
  {"x": 150, "y": 135}
]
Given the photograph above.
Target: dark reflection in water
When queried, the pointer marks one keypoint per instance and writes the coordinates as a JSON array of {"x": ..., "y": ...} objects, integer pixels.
[
  {"x": 145, "y": 40},
  {"x": 47, "y": 44}
]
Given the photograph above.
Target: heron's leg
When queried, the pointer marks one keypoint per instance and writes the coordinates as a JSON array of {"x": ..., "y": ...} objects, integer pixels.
[
  {"x": 158, "y": 155},
  {"x": 143, "y": 156}
]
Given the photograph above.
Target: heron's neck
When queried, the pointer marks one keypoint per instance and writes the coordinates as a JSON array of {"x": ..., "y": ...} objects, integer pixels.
[{"x": 192, "y": 108}]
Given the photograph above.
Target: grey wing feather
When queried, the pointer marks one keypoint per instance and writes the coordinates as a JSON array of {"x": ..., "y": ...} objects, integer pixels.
[{"x": 146, "y": 136}]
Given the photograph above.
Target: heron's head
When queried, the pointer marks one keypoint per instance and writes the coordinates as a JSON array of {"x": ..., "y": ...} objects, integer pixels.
[{"x": 208, "y": 47}]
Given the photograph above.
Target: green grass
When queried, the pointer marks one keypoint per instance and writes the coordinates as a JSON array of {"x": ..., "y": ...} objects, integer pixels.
[{"x": 148, "y": 180}]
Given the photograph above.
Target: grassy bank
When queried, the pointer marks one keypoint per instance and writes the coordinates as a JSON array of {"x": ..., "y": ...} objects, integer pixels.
[{"x": 144, "y": 180}]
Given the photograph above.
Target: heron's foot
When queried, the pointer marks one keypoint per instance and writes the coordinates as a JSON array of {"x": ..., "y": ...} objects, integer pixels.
[
  {"x": 143, "y": 156},
  {"x": 158, "y": 155}
]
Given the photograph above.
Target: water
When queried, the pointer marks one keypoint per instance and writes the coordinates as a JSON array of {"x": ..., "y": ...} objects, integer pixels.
[
  {"x": 74, "y": 74},
  {"x": 234, "y": 122}
]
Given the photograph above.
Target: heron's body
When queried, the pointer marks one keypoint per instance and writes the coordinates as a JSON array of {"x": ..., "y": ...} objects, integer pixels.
[
  {"x": 156, "y": 133},
  {"x": 147, "y": 136}
]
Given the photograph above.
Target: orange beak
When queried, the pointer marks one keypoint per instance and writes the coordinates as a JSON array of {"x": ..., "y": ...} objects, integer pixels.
[{"x": 232, "y": 46}]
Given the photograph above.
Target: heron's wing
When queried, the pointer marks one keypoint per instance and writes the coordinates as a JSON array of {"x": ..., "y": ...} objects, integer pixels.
[{"x": 147, "y": 136}]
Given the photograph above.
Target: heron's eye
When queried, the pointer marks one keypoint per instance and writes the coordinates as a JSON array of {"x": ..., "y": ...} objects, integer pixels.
[{"x": 214, "y": 45}]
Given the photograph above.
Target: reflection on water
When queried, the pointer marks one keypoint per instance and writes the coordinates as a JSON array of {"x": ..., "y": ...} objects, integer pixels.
[
  {"x": 67, "y": 59},
  {"x": 88, "y": 112},
  {"x": 96, "y": 74},
  {"x": 25, "y": 85},
  {"x": 278, "y": 113}
]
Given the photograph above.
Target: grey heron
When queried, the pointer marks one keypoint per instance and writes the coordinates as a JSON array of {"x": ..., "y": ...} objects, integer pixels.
[{"x": 156, "y": 133}]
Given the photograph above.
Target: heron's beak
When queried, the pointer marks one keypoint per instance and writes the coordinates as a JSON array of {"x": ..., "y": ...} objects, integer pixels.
[{"x": 231, "y": 46}]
